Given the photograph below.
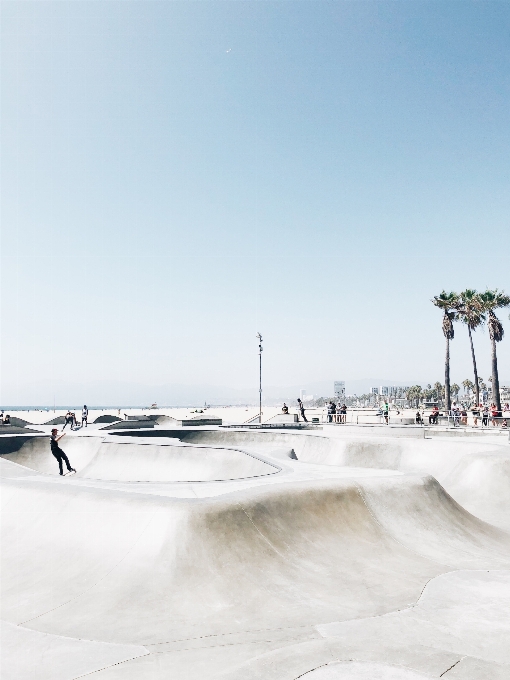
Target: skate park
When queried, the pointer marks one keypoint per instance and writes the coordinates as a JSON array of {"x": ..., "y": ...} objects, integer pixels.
[{"x": 349, "y": 552}]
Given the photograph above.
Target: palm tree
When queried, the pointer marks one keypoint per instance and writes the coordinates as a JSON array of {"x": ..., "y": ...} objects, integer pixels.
[
  {"x": 438, "y": 389},
  {"x": 448, "y": 303},
  {"x": 491, "y": 300},
  {"x": 482, "y": 386},
  {"x": 468, "y": 387},
  {"x": 414, "y": 393},
  {"x": 470, "y": 312},
  {"x": 455, "y": 389}
]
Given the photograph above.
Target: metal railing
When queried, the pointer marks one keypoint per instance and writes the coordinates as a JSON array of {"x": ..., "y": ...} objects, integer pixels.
[{"x": 485, "y": 422}]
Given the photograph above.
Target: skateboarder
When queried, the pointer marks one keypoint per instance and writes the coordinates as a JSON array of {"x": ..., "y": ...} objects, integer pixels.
[
  {"x": 84, "y": 415},
  {"x": 57, "y": 451},
  {"x": 68, "y": 420}
]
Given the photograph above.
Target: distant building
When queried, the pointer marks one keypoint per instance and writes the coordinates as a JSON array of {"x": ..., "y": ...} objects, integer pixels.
[
  {"x": 339, "y": 388},
  {"x": 390, "y": 391}
]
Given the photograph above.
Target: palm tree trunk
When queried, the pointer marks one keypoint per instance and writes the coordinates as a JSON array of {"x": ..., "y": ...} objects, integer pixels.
[
  {"x": 475, "y": 371},
  {"x": 495, "y": 378},
  {"x": 448, "y": 399}
]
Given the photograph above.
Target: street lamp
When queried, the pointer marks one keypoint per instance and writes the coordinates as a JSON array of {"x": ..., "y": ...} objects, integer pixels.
[{"x": 260, "y": 377}]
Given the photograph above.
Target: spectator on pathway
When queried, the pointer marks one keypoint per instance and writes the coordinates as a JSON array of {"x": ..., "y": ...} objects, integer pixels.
[
  {"x": 386, "y": 412},
  {"x": 7, "y": 419},
  {"x": 57, "y": 451},
  {"x": 434, "y": 416},
  {"x": 84, "y": 415},
  {"x": 476, "y": 410},
  {"x": 463, "y": 417},
  {"x": 342, "y": 410},
  {"x": 302, "y": 410},
  {"x": 485, "y": 416},
  {"x": 331, "y": 411}
]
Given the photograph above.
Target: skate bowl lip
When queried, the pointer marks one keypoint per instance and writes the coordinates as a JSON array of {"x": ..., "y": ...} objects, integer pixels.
[{"x": 275, "y": 468}]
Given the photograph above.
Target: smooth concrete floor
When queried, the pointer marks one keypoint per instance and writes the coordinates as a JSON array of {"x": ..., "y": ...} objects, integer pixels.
[{"x": 214, "y": 553}]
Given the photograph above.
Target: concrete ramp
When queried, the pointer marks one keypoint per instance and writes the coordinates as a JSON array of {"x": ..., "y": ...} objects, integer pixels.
[
  {"x": 481, "y": 483},
  {"x": 131, "y": 569},
  {"x": 410, "y": 454},
  {"x": 135, "y": 461},
  {"x": 261, "y": 566}
]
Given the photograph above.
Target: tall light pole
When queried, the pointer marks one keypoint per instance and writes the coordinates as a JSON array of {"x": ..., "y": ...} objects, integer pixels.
[{"x": 260, "y": 377}]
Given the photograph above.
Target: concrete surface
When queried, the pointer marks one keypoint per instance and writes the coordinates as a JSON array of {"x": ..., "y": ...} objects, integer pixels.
[{"x": 338, "y": 553}]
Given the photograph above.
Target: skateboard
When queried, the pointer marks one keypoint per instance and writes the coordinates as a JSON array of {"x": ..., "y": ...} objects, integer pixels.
[{"x": 69, "y": 472}]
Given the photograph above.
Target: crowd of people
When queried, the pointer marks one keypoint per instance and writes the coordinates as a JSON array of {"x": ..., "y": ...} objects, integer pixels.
[
  {"x": 459, "y": 415},
  {"x": 70, "y": 418},
  {"x": 337, "y": 413}
]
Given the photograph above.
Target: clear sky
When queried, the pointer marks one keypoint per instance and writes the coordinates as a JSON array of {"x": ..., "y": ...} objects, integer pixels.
[{"x": 177, "y": 176}]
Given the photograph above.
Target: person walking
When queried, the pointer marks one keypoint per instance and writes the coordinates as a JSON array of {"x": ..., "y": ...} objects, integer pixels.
[
  {"x": 57, "y": 451},
  {"x": 302, "y": 410},
  {"x": 84, "y": 415},
  {"x": 386, "y": 412}
]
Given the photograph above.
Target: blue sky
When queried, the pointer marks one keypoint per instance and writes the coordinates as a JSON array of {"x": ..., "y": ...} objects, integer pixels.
[{"x": 177, "y": 176}]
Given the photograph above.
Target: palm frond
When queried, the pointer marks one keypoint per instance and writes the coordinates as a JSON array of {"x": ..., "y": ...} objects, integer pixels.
[
  {"x": 470, "y": 309},
  {"x": 494, "y": 299},
  {"x": 444, "y": 300}
]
